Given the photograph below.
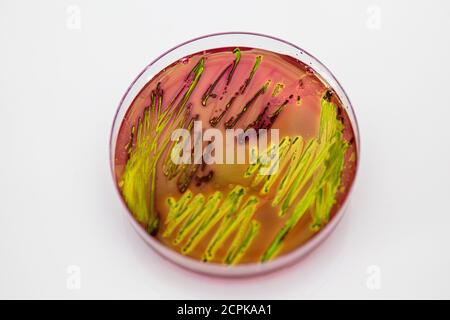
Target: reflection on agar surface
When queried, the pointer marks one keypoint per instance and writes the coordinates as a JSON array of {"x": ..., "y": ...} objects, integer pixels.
[{"x": 230, "y": 213}]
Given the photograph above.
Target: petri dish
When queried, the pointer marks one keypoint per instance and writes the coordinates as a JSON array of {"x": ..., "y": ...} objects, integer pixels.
[{"x": 235, "y": 153}]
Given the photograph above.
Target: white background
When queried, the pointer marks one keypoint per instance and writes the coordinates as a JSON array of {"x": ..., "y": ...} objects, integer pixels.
[{"x": 59, "y": 89}]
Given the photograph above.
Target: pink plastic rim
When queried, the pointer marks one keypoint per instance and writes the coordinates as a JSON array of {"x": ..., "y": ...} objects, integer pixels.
[{"x": 232, "y": 39}]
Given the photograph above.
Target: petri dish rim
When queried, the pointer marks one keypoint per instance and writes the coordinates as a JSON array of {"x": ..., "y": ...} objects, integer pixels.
[{"x": 232, "y": 39}]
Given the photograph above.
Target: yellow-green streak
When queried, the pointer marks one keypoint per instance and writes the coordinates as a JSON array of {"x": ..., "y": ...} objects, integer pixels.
[
  {"x": 297, "y": 146},
  {"x": 237, "y": 54},
  {"x": 182, "y": 213},
  {"x": 229, "y": 206},
  {"x": 271, "y": 179},
  {"x": 283, "y": 148},
  {"x": 252, "y": 168},
  {"x": 138, "y": 182},
  {"x": 229, "y": 224},
  {"x": 242, "y": 241},
  {"x": 277, "y": 89},
  {"x": 170, "y": 168},
  {"x": 298, "y": 213},
  {"x": 303, "y": 178},
  {"x": 319, "y": 172},
  {"x": 198, "y": 217},
  {"x": 252, "y": 73},
  {"x": 298, "y": 167}
]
